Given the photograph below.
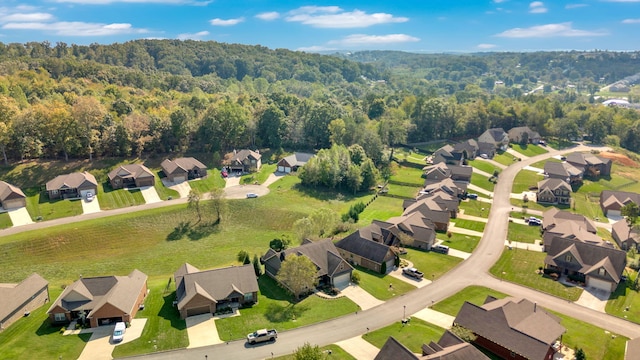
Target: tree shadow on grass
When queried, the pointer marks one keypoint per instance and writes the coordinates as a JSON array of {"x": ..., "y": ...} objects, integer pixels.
[
  {"x": 277, "y": 313},
  {"x": 203, "y": 230},
  {"x": 270, "y": 289},
  {"x": 46, "y": 328},
  {"x": 179, "y": 231},
  {"x": 170, "y": 312}
]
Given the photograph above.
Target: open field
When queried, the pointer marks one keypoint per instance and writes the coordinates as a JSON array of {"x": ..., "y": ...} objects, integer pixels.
[
  {"x": 408, "y": 175},
  {"x": 460, "y": 242},
  {"x": 382, "y": 208},
  {"x": 432, "y": 264},
  {"x": 412, "y": 336},
  {"x": 523, "y": 233},
  {"x": 524, "y": 180},
  {"x": 406, "y": 192},
  {"x": 529, "y": 150},
  {"x": 377, "y": 284}
]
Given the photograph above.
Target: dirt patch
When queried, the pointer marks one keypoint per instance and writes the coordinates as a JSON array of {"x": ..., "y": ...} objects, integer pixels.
[{"x": 619, "y": 159}]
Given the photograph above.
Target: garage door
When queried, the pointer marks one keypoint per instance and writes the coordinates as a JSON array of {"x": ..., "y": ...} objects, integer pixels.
[
  {"x": 13, "y": 204},
  {"x": 613, "y": 213},
  {"x": 599, "y": 284},
  {"x": 287, "y": 170},
  {"x": 178, "y": 179},
  {"x": 198, "y": 311},
  {"x": 342, "y": 281},
  {"x": 84, "y": 193},
  {"x": 390, "y": 265},
  {"x": 280, "y": 168}
]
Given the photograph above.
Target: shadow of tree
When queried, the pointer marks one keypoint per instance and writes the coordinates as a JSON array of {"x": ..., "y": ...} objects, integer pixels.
[
  {"x": 277, "y": 313},
  {"x": 46, "y": 328},
  {"x": 270, "y": 289},
  {"x": 179, "y": 231},
  {"x": 169, "y": 312},
  {"x": 203, "y": 230}
]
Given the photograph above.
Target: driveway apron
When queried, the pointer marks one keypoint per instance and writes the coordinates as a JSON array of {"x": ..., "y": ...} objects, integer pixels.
[
  {"x": 356, "y": 294},
  {"x": 202, "y": 331},
  {"x": 150, "y": 194},
  {"x": 90, "y": 207},
  {"x": 435, "y": 317},
  {"x": 20, "y": 216},
  {"x": 359, "y": 348}
]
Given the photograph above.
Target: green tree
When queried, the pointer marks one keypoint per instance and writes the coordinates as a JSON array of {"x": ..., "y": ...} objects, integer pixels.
[
  {"x": 272, "y": 126},
  {"x": 298, "y": 274},
  {"x": 243, "y": 257},
  {"x": 631, "y": 211},
  {"x": 308, "y": 352},
  {"x": 218, "y": 203},
  {"x": 580, "y": 355},
  {"x": 257, "y": 268},
  {"x": 8, "y": 112},
  {"x": 194, "y": 203}
]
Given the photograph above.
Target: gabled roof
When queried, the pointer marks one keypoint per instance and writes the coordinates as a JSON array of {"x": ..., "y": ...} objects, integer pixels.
[
  {"x": 554, "y": 217},
  {"x": 445, "y": 153},
  {"x": 553, "y": 184},
  {"x": 297, "y": 159},
  {"x": 469, "y": 145},
  {"x": 244, "y": 154},
  {"x": 497, "y": 134},
  {"x": 14, "y": 296},
  {"x": 518, "y": 325},
  {"x": 72, "y": 181},
  {"x": 451, "y": 347},
  {"x": 621, "y": 198},
  {"x": 622, "y": 232},
  {"x": 448, "y": 185},
  {"x": 564, "y": 170},
  {"x": 9, "y": 192},
  {"x": 394, "y": 350},
  {"x": 135, "y": 171},
  {"x": 587, "y": 256},
  {"x": 214, "y": 285},
  {"x": 515, "y": 134},
  {"x": 183, "y": 164},
  {"x": 428, "y": 210},
  {"x": 415, "y": 224},
  {"x": 322, "y": 253},
  {"x": 360, "y": 242},
  {"x": 586, "y": 159},
  {"x": 120, "y": 292}
]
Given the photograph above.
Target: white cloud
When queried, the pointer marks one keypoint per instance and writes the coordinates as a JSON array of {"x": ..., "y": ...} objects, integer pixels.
[
  {"x": 631, "y": 21},
  {"x": 486, "y": 46},
  {"x": 26, "y": 17},
  {"x": 169, "y": 2},
  {"x": 194, "y": 36},
  {"x": 575, "y": 6},
  {"x": 549, "y": 30},
  {"x": 499, "y": 1},
  {"x": 76, "y": 28},
  {"x": 537, "y": 7},
  {"x": 268, "y": 16},
  {"x": 362, "y": 39},
  {"x": 227, "y": 22},
  {"x": 335, "y": 17}
]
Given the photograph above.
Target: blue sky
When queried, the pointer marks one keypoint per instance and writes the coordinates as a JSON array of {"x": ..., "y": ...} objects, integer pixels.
[{"x": 414, "y": 25}]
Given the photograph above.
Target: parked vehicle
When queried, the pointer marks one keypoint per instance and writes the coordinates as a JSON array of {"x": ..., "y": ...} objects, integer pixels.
[
  {"x": 484, "y": 156},
  {"x": 90, "y": 196},
  {"x": 535, "y": 222},
  {"x": 442, "y": 249},
  {"x": 251, "y": 195},
  {"x": 262, "y": 335},
  {"x": 118, "y": 332},
  {"x": 472, "y": 196},
  {"x": 224, "y": 174},
  {"x": 413, "y": 272}
]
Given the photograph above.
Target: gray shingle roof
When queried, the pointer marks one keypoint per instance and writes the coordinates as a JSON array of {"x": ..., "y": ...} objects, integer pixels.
[
  {"x": 13, "y": 296},
  {"x": 134, "y": 171},
  {"x": 361, "y": 243},
  {"x": 553, "y": 184},
  {"x": 241, "y": 155},
  {"x": 183, "y": 164},
  {"x": 72, "y": 181},
  {"x": 296, "y": 159},
  {"x": 564, "y": 170}
]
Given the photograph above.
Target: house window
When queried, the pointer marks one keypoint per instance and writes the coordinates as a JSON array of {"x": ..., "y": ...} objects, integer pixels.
[
  {"x": 568, "y": 258},
  {"x": 248, "y": 297},
  {"x": 602, "y": 272},
  {"x": 59, "y": 317}
]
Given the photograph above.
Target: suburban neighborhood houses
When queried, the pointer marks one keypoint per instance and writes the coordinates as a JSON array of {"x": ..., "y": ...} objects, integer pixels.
[{"x": 430, "y": 228}]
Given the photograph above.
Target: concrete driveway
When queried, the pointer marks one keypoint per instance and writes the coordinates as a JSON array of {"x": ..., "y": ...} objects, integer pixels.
[
  {"x": 202, "y": 331},
  {"x": 90, "y": 207},
  {"x": 593, "y": 298},
  {"x": 362, "y": 298},
  {"x": 435, "y": 317},
  {"x": 183, "y": 188},
  {"x": 273, "y": 178},
  {"x": 231, "y": 181},
  {"x": 150, "y": 194},
  {"x": 20, "y": 216},
  {"x": 100, "y": 347},
  {"x": 397, "y": 273},
  {"x": 240, "y": 191},
  {"x": 359, "y": 348}
]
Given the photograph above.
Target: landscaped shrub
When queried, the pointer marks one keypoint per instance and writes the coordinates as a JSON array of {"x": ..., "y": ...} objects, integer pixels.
[
  {"x": 243, "y": 257},
  {"x": 383, "y": 267},
  {"x": 355, "y": 277},
  {"x": 551, "y": 271}
]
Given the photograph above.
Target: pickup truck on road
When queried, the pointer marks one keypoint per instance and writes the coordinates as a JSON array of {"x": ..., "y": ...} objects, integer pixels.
[
  {"x": 413, "y": 272},
  {"x": 262, "y": 335}
]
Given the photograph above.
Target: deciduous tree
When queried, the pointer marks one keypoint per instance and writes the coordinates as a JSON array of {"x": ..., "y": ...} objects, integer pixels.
[{"x": 298, "y": 274}]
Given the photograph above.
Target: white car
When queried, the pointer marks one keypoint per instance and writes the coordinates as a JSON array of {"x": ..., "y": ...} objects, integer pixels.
[
  {"x": 251, "y": 195},
  {"x": 484, "y": 156},
  {"x": 90, "y": 196},
  {"x": 118, "y": 332}
]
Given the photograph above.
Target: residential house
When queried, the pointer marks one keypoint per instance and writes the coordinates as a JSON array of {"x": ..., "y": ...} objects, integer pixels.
[
  {"x": 11, "y": 197},
  {"x": 627, "y": 237},
  {"x": 590, "y": 164},
  {"x": 183, "y": 169},
  {"x": 131, "y": 176},
  {"x": 488, "y": 149},
  {"x": 293, "y": 162},
  {"x": 612, "y": 201},
  {"x": 418, "y": 231},
  {"x": 455, "y": 189},
  {"x": 245, "y": 161},
  {"x": 598, "y": 266},
  {"x": 447, "y": 155},
  {"x": 207, "y": 291},
  {"x": 428, "y": 210},
  {"x": 332, "y": 268},
  {"x": 365, "y": 247},
  {"x": 558, "y": 223},
  {"x": 519, "y": 134},
  {"x": 512, "y": 328},
  {"x": 449, "y": 347},
  {"x": 563, "y": 171},
  {"x": 496, "y": 136},
  {"x": 440, "y": 171},
  {"x": 554, "y": 191},
  {"x": 468, "y": 147},
  {"x": 20, "y": 299},
  {"x": 101, "y": 300},
  {"x": 72, "y": 185},
  {"x": 441, "y": 199}
]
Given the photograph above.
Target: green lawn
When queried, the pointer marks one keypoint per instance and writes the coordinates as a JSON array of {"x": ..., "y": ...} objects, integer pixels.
[
  {"x": 406, "y": 192},
  {"x": 382, "y": 208},
  {"x": 482, "y": 181},
  {"x": 432, "y": 264},
  {"x": 164, "y": 330},
  {"x": 475, "y": 208},
  {"x": 596, "y": 342},
  {"x": 33, "y": 337},
  {"x": 275, "y": 310},
  {"x": 406, "y": 174},
  {"x": 460, "y": 242},
  {"x": 473, "y": 294},
  {"x": 113, "y": 199},
  {"x": 524, "y": 180},
  {"x": 41, "y": 208},
  {"x": 377, "y": 284},
  {"x": 469, "y": 224},
  {"x": 337, "y": 353},
  {"x": 404, "y": 155},
  {"x": 625, "y": 298},
  {"x": 520, "y": 266},
  {"x": 412, "y": 335},
  {"x": 164, "y": 192},
  {"x": 533, "y": 205},
  {"x": 523, "y": 233},
  {"x": 213, "y": 181},
  {"x": 605, "y": 234},
  {"x": 559, "y": 144},
  {"x": 505, "y": 159},
  {"x": 540, "y": 164},
  {"x": 529, "y": 150},
  {"x": 260, "y": 176},
  {"x": 485, "y": 166},
  {"x": 5, "y": 221}
]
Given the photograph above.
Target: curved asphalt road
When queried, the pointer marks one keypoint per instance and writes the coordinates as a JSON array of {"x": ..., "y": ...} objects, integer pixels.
[{"x": 473, "y": 271}]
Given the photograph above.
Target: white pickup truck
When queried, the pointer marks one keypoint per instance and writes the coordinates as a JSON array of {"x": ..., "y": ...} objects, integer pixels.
[
  {"x": 262, "y": 335},
  {"x": 413, "y": 272}
]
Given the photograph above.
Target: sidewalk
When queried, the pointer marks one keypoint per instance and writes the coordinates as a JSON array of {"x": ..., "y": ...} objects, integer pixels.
[
  {"x": 536, "y": 246},
  {"x": 435, "y": 317},
  {"x": 359, "y": 348},
  {"x": 480, "y": 190},
  {"x": 463, "y": 231},
  {"x": 461, "y": 215}
]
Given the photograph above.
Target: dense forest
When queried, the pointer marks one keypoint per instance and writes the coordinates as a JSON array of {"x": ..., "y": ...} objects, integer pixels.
[{"x": 158, "y": 96}]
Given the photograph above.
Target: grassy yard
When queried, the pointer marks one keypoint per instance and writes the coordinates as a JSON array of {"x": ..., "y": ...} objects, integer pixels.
[
  {"x": 460, "y": 242},
  {"x": 377, "y": 284},
  {"x": 523, "y": 233},
  {"x": 470, "y": 224},
  {"x": 433, "y": 265},
  {"x": 596, "y": 342},
  {"x": 276, "y": 310},
  {"x": 164, "y": 192},
  {"x": 533, "y": 205},
  {"x": 382, "y": 208},
  {"x": 520, "y": 266},
  {"x": 404, "y": 155},
  {"x": 113, "y": 199},
  {"x": 5, "y": 221},
  {"x": 412, "y": 336},
  {"x": 559, "y": 144},
  {"x": 260, "y": 176},
  {"x": 485, "y": 166},
  {"x": 505, "y": 159},
  {"x": 337, "y": 353},
  {"x": 405, "y": 192},
  {"x": 482, "y": 181},
  {"x": 164, "y": 328},
  {"x": 529, "y": 150},
  {"x": 475, "y": 208},
  {"x": 625, "y": 298},
  {"x": 473, "y": 294},
  {"x": 41, "y": 208},
  {"x": 213, "y": 181},
  {"x": 524, "y": 180}
]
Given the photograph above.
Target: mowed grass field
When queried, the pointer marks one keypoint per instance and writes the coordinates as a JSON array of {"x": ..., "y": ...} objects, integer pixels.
[{"x": 529, "y": 150}]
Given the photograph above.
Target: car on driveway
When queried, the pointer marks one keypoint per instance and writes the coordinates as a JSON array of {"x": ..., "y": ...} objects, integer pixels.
[
  {"x": 472, "y": 196},
  {"x": 251, "y": 195},
  {"x": 118, "y": 332},
  {"x": 484, "y": 156},
  {"x": 90, "y": 196},
  {"x": 224, "y": 174}
]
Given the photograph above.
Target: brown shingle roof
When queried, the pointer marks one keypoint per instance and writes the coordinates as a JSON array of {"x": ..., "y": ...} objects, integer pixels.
[
  {"x": 134, "y": 171},
  {"x": 322, "y": 253},
  {"x": 553, "y": 184},
  {"x": 360, "y": 242},
  {"x": 13, "y": 296},
  {"x": 9, "y": 192},
  {"x": 244, "y": 154},
  {"x": 183, "y": 164},
  {"x": 72, "y": 181}
]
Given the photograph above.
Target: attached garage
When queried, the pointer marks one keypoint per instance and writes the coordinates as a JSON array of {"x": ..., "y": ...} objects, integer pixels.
[
  {"x": 600, "y": 284},
  {"x": 390, "y": 264},
  {"x": 13, "y": 204},
  {"x": 198, "y": 310},
  {"x": 342, "y": 281},
  {"x": 281, "y": 168},
  {"x": 83, "y": 193},
  {"x": 613, "y": 213},
  {"x": 179, "y": 179},
  {"x": 109, "y": 321}
]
